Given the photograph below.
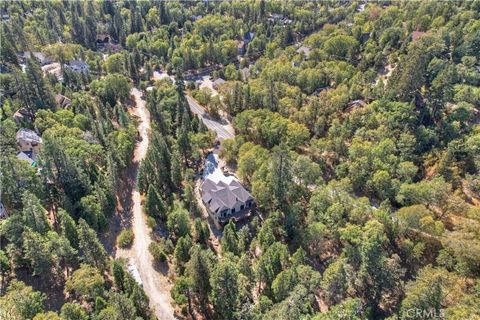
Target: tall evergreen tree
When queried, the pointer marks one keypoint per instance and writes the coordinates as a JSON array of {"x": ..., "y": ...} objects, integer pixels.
[{"x": 93, "y": 251}]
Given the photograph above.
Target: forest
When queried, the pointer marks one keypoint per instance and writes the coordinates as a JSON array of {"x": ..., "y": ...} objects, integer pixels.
[{"x": 356, "y": 129}]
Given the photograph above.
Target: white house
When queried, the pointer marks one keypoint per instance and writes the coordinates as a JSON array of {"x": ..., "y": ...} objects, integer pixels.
[
  {"x": 28, "y": 140},
  {"x": 224, "y": 196}
]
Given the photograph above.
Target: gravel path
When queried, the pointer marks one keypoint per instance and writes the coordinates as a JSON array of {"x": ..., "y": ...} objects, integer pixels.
[{"x": 155, "y": 284}]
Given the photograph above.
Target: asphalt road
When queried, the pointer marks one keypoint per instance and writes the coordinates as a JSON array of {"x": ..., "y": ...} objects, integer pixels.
[{"x": 223, "y": 131}]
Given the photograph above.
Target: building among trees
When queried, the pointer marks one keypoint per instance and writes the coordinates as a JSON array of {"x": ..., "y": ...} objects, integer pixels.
[{"x": 224, "y": 196}]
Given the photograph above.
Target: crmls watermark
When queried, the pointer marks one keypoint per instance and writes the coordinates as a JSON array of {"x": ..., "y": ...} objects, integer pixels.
[{"x": 416, "y": 313}]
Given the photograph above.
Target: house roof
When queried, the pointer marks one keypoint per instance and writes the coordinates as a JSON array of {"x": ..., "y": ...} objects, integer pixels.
[
  {"x": 53, "y": 68},
  {"x": 219, "y": 81},
  {"x": 220, "y": 192},
  {"x": 355, "y": 104},
  {"x": 63, "y": 101},
  {"x": 25, "y": 157},
  {"x": 224, "y": 193},
  {"x": 28, "y": 135},
  {"x": 21, "y": 113},
  {"x": 78, "y": 63}
]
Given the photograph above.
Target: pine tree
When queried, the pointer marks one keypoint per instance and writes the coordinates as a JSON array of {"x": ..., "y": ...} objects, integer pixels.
[
  {"x": 38, "y": 87},
  {"x": 34, "y": 215},
  {"x": 68, "y": 227},
  {"x": 198, "y": 269},
  {"x": 154, "y": 204},
  {"x": 225, "y": 294},
  {"x": 229, "y": 240},
  {"x": 93, "y": 251},
  {"x": 281, "y": 174}
]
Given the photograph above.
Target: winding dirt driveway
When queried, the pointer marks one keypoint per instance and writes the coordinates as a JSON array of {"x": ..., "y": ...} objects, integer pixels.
[{"x": 155, "y": 284}]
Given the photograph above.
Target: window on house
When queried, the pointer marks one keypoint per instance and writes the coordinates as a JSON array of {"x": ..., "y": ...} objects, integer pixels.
[
  {"x": 233, "y": 211},
  {"x": 242, "y": 207}
]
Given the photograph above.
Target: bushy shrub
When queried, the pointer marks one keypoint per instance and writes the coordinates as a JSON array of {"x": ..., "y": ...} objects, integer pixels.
[{"x": 125, "y": 238}]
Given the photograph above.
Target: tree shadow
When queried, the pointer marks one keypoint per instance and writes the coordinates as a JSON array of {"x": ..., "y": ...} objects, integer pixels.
[{"x": 123, "y": 216}]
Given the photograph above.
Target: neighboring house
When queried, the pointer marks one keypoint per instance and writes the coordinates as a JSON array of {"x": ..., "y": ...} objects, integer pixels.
[
  {"x": 22, "y": 115},
  {"x": 27, "y": 156},
  {"x": 224, "y": 196},
  {"x": 28, "y": 140},
  {"x": 355, "y": 105},
  {"x": 63, "y": 101},
  {"x": 3, "y": 211},
  {"x": 40, "y": 56},
  {"x": 217, "y": 83},
  {"x": 54, "y": 69},
  {"x": 416, "y": 35},
  {"x": 305, "y": 50},
  {"x": 77, "y": 66}
]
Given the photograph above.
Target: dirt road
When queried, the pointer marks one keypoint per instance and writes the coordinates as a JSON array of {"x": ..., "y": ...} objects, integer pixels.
[{"x": 155, "y": 284}]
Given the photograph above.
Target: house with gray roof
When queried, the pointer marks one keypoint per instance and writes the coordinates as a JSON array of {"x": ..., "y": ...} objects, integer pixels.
[
  {"x": 28, "y": 140},
  {"x": 78, "y": 66},
  {"x": 223, "y": 195}
]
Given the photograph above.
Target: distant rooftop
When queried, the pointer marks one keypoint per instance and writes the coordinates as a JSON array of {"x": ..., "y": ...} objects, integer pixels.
[{"x": 28, "y": 135}]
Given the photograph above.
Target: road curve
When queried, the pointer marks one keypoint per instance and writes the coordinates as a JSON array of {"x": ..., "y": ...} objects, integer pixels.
[
  {"x": 222, "y": 131},
  {"x": 155, "y": 284}
]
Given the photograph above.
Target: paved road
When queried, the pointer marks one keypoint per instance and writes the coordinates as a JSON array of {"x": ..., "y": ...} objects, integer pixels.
[
  {"x": 223, "y": 131},
  {"x": 155, "y": 284}
]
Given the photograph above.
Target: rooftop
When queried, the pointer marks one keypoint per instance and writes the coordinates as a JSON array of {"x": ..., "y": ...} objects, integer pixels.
[
  {"x": 220, "y": 191},
  {"x": 28, "y": 135}
]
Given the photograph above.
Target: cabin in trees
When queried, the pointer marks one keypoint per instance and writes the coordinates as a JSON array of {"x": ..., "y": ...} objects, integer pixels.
[
  {"x": 23, "y": 115},
  {"x": 355, "y": 104},
  {"x": 27, "y": 156},
  {"x": 217, "y": 83},
  {"x": 54, "y": 69},
  {"x": 28, "y": 141},
  {"x": 223, "y": 195},
  {"x": 77, "y": 66},
  {"x": 63, "y": 101}
]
